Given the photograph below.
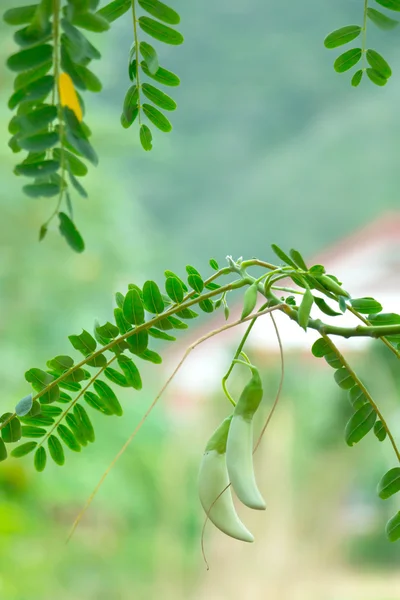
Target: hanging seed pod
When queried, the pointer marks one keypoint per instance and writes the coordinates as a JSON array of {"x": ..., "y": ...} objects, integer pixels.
[
  {"x": 239, "y": 448},
  {"x": 213, "y": 479}
]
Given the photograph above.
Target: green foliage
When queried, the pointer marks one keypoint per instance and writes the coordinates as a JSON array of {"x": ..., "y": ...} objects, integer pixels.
[{"x": 379, "y": 70}]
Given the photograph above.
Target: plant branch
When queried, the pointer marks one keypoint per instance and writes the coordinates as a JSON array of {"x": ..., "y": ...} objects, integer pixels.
[
  {"x": 155, "y": 401},
  {"x": 365, "y": 392}
]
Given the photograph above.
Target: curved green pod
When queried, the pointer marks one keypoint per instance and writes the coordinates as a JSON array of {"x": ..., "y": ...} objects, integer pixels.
[
  {"x": 213, "y": 479},
  {"x": 239, "y": 447}
]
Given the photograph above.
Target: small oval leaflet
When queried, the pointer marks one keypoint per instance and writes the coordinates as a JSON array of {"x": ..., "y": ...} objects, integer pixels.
[
  {"x": 382, "y": 21},
  {"x": 380, "y": 431},
  {"x": 366, "y": 306},
  {"x": 160, "y": 32},
  {"x": 342, "y": 36},
  {"x": 344, "y": 379},
  {"x": 305, "y": 309},
  {"x": 157, "y": 118},
  {"x": 24, "y": 406},
  {"x": 389, "y": 484},
  {"x": 393, "y": 526},
  {"x": 357, "y": 398},
  {"x": 377, "y": 62},
  {"x": 320, "y": 348},
  {"x": 150, "y": 57},
  {"x": 145, "y": 138},
  {"x": 40, "y": 459},
  {"x": 347, "y": 60},
  {"x": 376, "y": 77},
  {"x": 360, "y": 424},
  {"x": 249, "y": 300}
]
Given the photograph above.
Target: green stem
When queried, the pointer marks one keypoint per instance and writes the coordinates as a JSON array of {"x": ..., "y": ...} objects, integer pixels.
[
  {"x": 136, "y": 40},
  {"x": 364, "y": 34},
  {"x": 238, "y": 352},
  {"x": 384, "y": 340},
  {"x": 365, "y": 392},
  {"x": 56, "y": 93}
]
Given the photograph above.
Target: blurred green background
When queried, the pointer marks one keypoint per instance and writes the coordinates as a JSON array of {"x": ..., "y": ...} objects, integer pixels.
[{"x": 269, "y": 145}]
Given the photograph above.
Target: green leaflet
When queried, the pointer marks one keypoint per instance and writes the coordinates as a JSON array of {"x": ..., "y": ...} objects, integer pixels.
[
  {"x": 138, "y": 342},
  {"x": 376, "y": 77},
  {"x": 158, "y": 97},
  {"x": 116, "y": 377},
  {"x": 38, "y": 89},
  {"x": 381, "y": 20},
  {"x": 157, "y": 118},
  {"x": 152, "y": 298},
  {"x": 145, "y": 138},
  {"x": 366, "y": 306},
  {"x": 31, "y": 431},
  {"x": 393, "y": 525},
  {"x": 389, "y": 484},
  {"x": 324, "y": 307},
  {"x": 357, "y": 397},
  {"x": 78, "y": 142},
  {"x": 196, "y": 283},
  {"x": 29, "y": 37},
  {"x": 40, "y": 459},
  {"x": 130, "y": 103},
  {"x": 174, "y": 289},
  {"x": 380, "y": 431},
  {"x": 98, "y": 403},
  {"x": 283, "y": 256},
  {"x": 133, "y": 308},
  {"x": 76, "y": 429},
  {"x": 38, "y": 142},
  {"x": 298, "y": 259},
  {"x": 36, "y": 120},
  {"x": 161, "y": 335},
  {"x": 23, "y": 449},
  {"x": 390, "y": 4},
  {"x": 3, "y": 451},
  {"x": 84, "y": 422},
  {"x": 342, "y": 36},
  {"x": 333, "y": 360},
  {"x": 20, "y": 15},
  {"x": 320, "y": 348},
  {"x": 84, "y": 342},
  {"x": 27, "y": 77},
  {"x": 12, "y": 431},
  {"x": 347, "y": 60},
  {"x": 305, "y": 309},
  {"x": 39, "y": 169},
  {"x": 41, "y": 190},
  {"x": 344, "y": 379},
  {"x": 115, "y": 9},
  {"x": 206, "y": 306},
  {"x": 162, "y": 76},
  {"x": 150, "y": 57},
  {"x": 131, "y": 372},
  {"x": 91, "y": 21},
  {"x": 360, "y": 424},
  {"x": 56, "y": 450},
  {"x": 151, "y": 356},
  {"x": 161, "y": 11},
  {"x": 105, "y": 393},
  {"x": 39, "y": 380},
  {"x": 30, "y": 58},
  {"x": 69, "y": 231},
  {"x": 160, "y": 32},
  {"x": 68, "y": 438},
  {"x": 377, "y": 62}
]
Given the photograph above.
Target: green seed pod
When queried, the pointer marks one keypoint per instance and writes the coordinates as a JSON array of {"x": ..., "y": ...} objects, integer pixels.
[
  {"x": 331, "y": 285},
  {"x": 213, "y": 479},
  {"x": 249, "y": 300},
  {"x": 239, "y": 447}
]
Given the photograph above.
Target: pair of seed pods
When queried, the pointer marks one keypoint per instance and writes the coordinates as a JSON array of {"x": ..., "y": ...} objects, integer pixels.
[{"x": 228, "y": 458}]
